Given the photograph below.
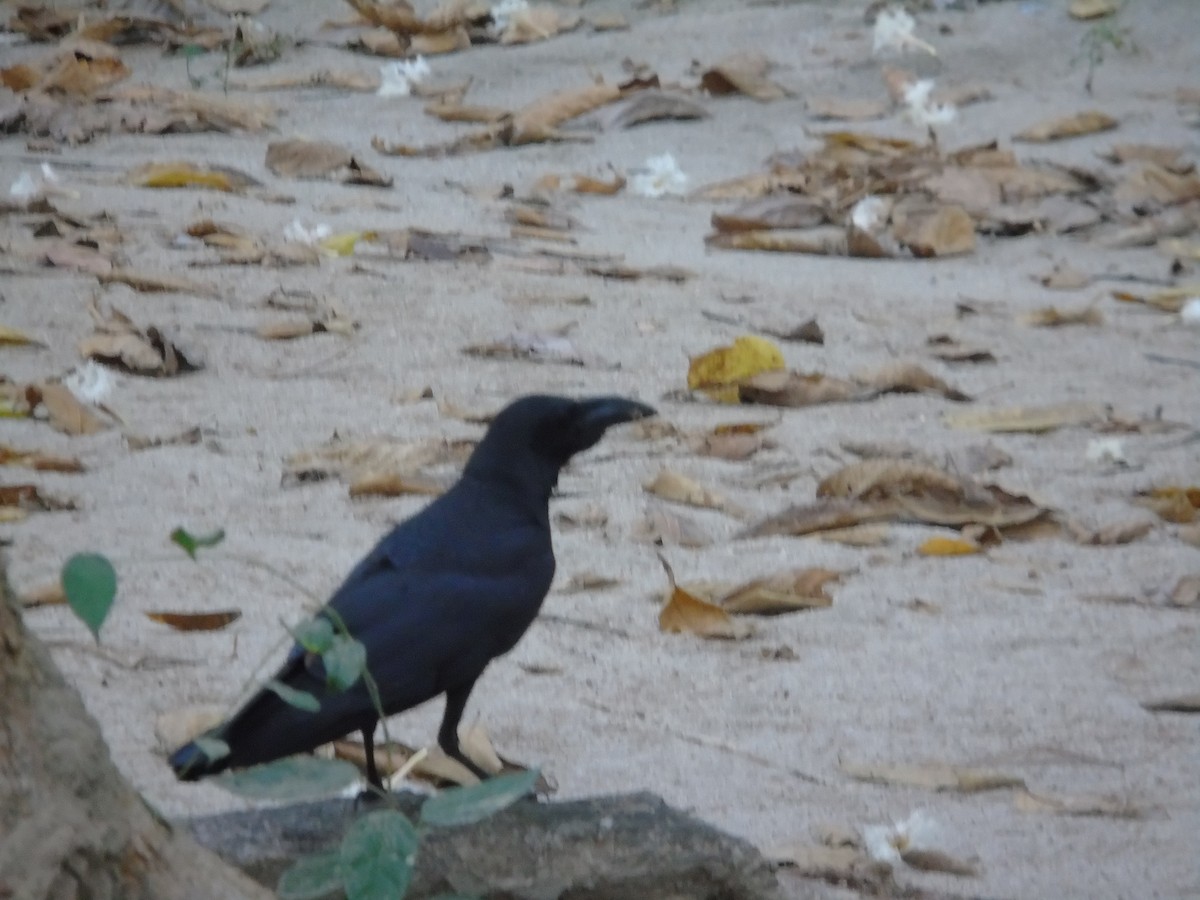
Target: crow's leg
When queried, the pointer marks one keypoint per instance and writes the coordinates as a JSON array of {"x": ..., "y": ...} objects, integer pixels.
[
  {"x": 373, "y": 778},
  {"x": 456, "y": 702}
]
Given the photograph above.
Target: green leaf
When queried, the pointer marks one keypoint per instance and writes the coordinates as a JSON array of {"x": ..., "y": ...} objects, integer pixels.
[
  {"x": 314, "y": 635},
  {"x": 289, "y": 695},
  {"x": 192, "y": 50},
  {"x": 377, "y": 856},
  {"x": 475, "y": 802},
  {"x": 344, "y": 662},
  {"x": 311, "y": 877},
  {"x": 90, "y": 583},
  {"x": 295, "y": 778},
  {"x": 192, "y": 542}
]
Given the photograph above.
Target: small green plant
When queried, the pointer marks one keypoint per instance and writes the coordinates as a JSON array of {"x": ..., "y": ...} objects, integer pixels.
[
  {"x": 89, "y": 582},
  {"x": 1097, "y": 41},
  {"x": 190, "y": 52}
]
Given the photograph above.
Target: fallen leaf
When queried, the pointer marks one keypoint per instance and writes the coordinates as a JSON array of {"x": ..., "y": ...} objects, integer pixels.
[
  {"x": 742, "y": 73},
  {"x": 773, "y": 212},
  {"x": 846, "y": 110},
  {"x": 949, "y": 350},
  {"x": 1113, "y": 535},
  {"x": 944, "y": 231},
  {"x": 393, "y": 484},
  {"x": 210, "y": 621},
  {"x": 655, "y": 106},
  {"x": 679, "y": 488},
  {"x": 905, "y": 377},
  {"x": 190, "y": 175},
  {"x": 537, "y": 23},
  {"x": 1092, "y": 9},
  {"x": 937, "y": 861},
  {"x": 796, "y": 589},
  {"x": 944, "y": 546},
  {"x": 294, "y": 328},
  {"x": 49, "y": 594},
  {"x": 932, "y": 776},
  {"x": 719, "y": 371},
  {"x": 1078, "y": 805},
  {"x": 118, "y": 342},
  {"x": 684, "y": 613},
  {"x": 1053, "y": 317},
  {"x": 1080, "y": 124},
  {"x": 1064, "y": 278},
  {"x": 303, "y": 159},
  {"x": 669, "y": 528},
  {"x": 1170, "y": 300},
  {"x": 1186, "y": 703},
  {"x": 807, "y": 332},
  {"x": 1032, "y": 419},
  {"x": 732, "y": 446},
  {"x": 11, "y": 337},
  {"x": 154, "y": 283},
  {"x": 539, "y": 120},
  {"x": 1172, "y": 503},
  {"x": 796, "y": 389},
  {"x": 67, "y": 255},
  {"x": 823, "y": 241},
  {"x": 65, "y": 411},
  {"x": 37, "y": 460},
  {"x": 1186, "y": 592},
  {"x": 30, "y": 497}
]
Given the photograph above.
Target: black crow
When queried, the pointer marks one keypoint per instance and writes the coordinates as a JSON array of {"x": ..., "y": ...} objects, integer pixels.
[{"x": 440, "y": 597}]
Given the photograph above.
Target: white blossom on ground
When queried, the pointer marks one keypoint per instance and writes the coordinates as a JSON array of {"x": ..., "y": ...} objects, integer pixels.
[
  {"x": 894, "y": 31},
  {"x": 658, "y": 177},
  {"x": 887, "y": 843},
  {"x": 91, "y": 383},
  {"x": 299, "y": 233},
  {"x": 396, "y": 79},
  {"x": 921, "y": 108}
]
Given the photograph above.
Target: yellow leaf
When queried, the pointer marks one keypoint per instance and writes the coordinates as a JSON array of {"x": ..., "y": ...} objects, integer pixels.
[
  {"x": 14, "y": 338},
  {"x": 178, "y": 175},
  {"x": 342, "y": 244},
  {"x": 718, "y": 371},
  {"x": 944, "y": 546}
]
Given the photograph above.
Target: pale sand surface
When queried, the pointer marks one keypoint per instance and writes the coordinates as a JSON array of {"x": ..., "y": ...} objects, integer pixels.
[{"x": 1017, "y": 671}]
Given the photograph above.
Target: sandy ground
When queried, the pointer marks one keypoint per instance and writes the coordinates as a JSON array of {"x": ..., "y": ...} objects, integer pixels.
[{"x": 1014, "y": 669}]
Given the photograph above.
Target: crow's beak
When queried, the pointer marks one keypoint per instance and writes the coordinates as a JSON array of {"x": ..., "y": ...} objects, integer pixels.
[{"x": 600, "y": 413}]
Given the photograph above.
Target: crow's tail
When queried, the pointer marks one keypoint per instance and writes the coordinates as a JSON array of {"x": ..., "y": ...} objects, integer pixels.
[{"x": 191, "y": 763}]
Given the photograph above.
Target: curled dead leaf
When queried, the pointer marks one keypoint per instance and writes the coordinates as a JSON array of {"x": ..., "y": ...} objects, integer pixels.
[
  {"x": 210, "y": 621},
  {"x": 797, "y": 389},
  {"x": 933, "y": 776},
  {"x": 784, "y": 592},
  {"x": 1077, "y": 125},
  {"x": 678, "y": 488},
  {"x": 687, "y": 614}
]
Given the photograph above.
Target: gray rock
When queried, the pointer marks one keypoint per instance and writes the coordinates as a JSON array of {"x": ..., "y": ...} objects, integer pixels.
[{"x": 627, "y": 846}]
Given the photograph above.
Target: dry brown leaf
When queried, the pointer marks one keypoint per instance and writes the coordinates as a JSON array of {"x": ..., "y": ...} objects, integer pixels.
[
  {"x": 943, "y": 231},
  {"x": 857, "y": 536},
  {"x": 1185, "y": 703},
  {"x": 684, "y": 613},
  {"x": 1092, "y": 9},
  {"x": 655, "y": 106},
  {"x": 669, "y": 528},
  {"x": 742, "y": 73},
  {"x": 1076, "y": 805},
  {"x": 65, "y": 412},
  {"x": 539, "y": 120},
  {"x": 1064, "y": 278},
  {"x": 48, "y": 594},
  {"x": 776, "y": 211},
  {"x": 1031, "y": 419},
  {"x": 289, "y": 329},
  {"x": 796, "y": 389},
  {"x": 1053, "y": 317},
  {"x": 1080, "y": 124},
  {"x": 537, "y": 23},
  {"x": 459, "y": 112},
  {"x": 785, "y": 592},
  {"x": 1170, "y": 300},
  {"x": 1113, "y": 535},
  {"x": 1186, "y": 592},
  {"x": 37, "y": 460},
  {"x": 932, "y": 776},
  {"x": 394, "y": 484},
  {"x": 937, "y": 861},
  {"x": 434, "y": 44},
  {"x": 155, "y": 283},
  {"x": 118, "y": 342},
  {"x": 821, "y": 241},
  {"x": 734, "y": 447},
  {"x": 1173, "y": 503},
  {"x": 358, "y": 461},
  {"x": 844, "y": 866},
  {"x": 1170, "y": 158},
  {"x": 321, "y": 160},
  {"x": 589, "y": 581},
  {"x": 209, "y": 621},
  {"x": 846, "y": 110},
  {"x": 30, "y": 497},
  {"x": 1152, "y": 185},
  {"x": 67, "y": 255},
  {"x": 949, "y": 350},
  {"x": 678, "y": 488},
  {"x": 881, "y": 478},
  {"x": 907, "y": 378}
]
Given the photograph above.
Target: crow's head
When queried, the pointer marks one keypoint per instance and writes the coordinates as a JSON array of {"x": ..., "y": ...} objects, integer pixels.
[{"x": 535, "y": 436}]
